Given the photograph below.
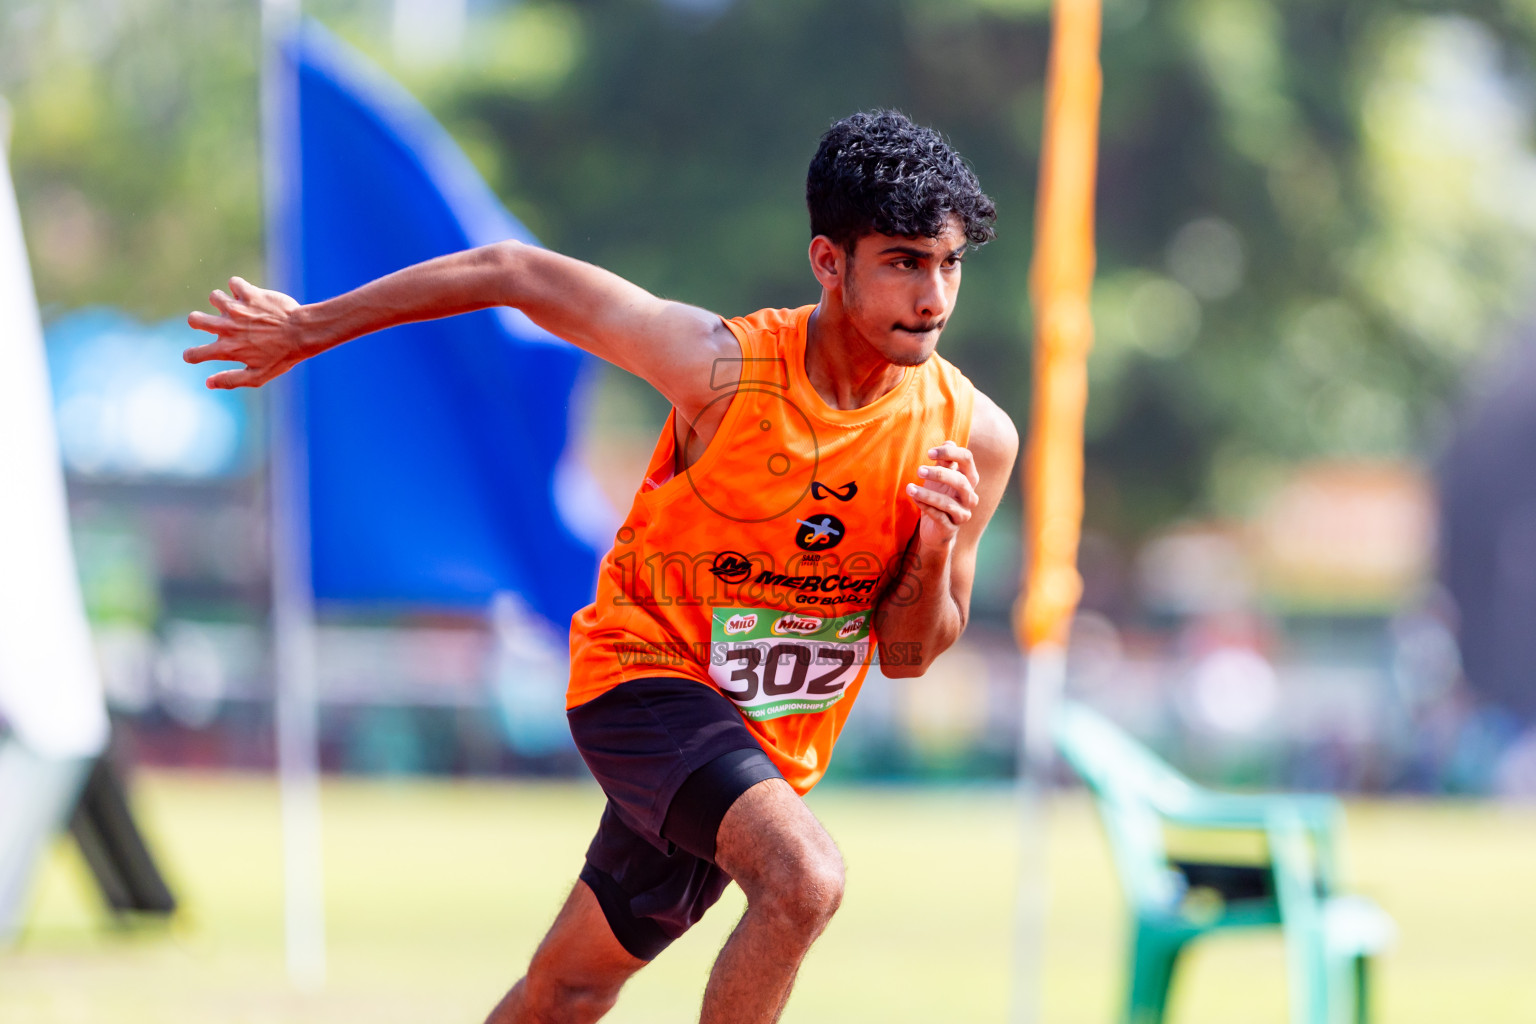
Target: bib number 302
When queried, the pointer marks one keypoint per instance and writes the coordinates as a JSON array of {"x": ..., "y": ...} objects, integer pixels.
[{"x": 773, "y": 663}]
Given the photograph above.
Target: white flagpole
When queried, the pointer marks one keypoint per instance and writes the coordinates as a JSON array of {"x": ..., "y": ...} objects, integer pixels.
[
  {"x": 1061, "y": 285},
  {"x": 1045, "y": 674},
  {"x": 293, "y": 616}
]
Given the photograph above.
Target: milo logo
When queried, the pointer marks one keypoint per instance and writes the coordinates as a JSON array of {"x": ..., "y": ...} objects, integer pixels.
[
  {"x": 796, "y": 625},
  {"x": 851, "y": 627},
  {"x": 739, "y": 624}
]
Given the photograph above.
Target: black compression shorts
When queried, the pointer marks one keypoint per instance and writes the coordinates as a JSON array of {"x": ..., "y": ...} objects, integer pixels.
[{"x": 672, "y": 755}]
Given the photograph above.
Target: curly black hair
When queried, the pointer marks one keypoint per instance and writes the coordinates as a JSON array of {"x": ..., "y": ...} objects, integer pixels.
[{"x": 879, "y": 172}]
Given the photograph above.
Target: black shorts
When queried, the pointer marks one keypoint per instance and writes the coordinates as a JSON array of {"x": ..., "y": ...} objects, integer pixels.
[{"x": 672, "y": 755}]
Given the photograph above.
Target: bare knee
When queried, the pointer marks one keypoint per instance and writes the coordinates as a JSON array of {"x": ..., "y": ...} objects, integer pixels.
[
  {"x": 554, "y": 996},
  {"x": 803, "y": 890},
  {"x": 783, "y": 859},
  {"x": 576, "y": 973}
]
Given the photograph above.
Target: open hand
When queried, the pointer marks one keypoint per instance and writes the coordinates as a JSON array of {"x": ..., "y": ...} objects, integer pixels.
[
  {"x": 947, "y": 495},
  {"x": 256, "y": 327}
]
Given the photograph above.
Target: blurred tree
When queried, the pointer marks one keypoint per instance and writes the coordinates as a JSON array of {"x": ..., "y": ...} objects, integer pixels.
[
  {"x": 134, "y": 147},
  {"x": 1310, "y": 220},
  {"x": 1312, "y": 213}
]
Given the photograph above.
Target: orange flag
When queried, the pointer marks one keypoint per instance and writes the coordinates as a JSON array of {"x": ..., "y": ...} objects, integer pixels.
[{"x": 1060, "y": 282}]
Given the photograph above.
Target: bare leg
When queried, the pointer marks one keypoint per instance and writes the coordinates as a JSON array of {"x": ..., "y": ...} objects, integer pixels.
[
  {"x": 788, "y": 866},
  {"x": 576, "y": 973}
]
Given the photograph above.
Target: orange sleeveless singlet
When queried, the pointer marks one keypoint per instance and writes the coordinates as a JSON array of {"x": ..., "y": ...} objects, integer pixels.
[{"x": 755, "y": 571}]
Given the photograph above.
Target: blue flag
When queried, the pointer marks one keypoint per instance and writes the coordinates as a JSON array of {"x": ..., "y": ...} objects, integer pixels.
[{"x": 439, "y": 464}]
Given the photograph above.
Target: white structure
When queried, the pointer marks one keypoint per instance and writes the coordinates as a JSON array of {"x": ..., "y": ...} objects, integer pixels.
[{"x": 51, "y": 704}]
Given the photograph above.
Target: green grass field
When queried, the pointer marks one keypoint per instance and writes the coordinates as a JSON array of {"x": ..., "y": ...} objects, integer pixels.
[{"x": 438, "y": 891}]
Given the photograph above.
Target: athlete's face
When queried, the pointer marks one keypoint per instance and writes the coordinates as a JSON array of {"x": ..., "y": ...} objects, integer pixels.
[{"x": 899, "y": 292}]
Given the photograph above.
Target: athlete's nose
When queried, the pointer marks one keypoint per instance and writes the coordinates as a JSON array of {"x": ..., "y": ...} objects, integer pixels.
[{"x": 933, "y": 302}]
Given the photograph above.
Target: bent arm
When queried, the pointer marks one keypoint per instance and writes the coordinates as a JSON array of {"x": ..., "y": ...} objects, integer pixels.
[
  {"x": 669, "y": 344},
  {"x": 927, "y": 607}
]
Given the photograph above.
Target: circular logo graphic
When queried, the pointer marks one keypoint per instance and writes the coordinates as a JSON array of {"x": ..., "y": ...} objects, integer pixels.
[
  {"x": 731, "y": 566},
  {"x": 779, "y": 479},
  {"x": 819, "y": 531}
]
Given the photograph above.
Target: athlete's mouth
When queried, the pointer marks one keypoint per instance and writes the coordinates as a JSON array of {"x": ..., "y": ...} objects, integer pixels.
[{"x": 928, "y": 328}]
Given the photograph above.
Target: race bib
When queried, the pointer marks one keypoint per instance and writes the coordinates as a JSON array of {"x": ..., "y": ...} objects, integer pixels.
[{"x": 773, "y": 663}]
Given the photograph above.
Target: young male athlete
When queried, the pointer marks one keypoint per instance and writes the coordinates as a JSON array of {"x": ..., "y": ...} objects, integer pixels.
[{"x": 816, "y": 496}]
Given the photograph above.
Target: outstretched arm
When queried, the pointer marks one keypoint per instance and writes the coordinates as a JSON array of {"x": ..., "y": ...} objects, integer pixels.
[
  {"x": 669, "y": 344},
  {"x": 926, "y": 607}
]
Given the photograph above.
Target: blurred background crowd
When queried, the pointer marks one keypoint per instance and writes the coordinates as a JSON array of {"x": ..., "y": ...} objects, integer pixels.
[{"x": 1310, "y": 541}]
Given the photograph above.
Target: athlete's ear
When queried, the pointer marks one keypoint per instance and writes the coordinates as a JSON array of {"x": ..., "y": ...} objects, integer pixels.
[{"x": 829, "y": 262}]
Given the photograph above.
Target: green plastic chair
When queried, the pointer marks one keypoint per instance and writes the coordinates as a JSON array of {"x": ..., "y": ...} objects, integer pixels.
[{"x": 1329, "y": 938}]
